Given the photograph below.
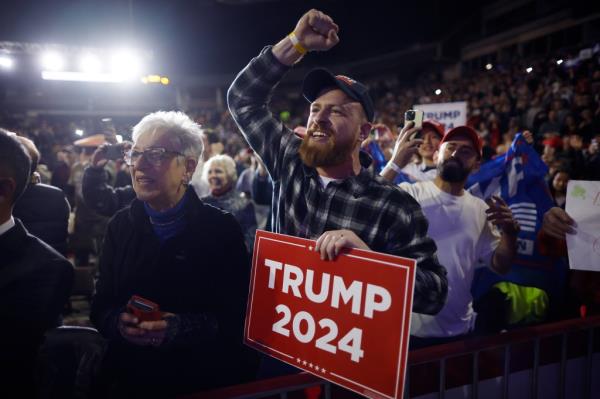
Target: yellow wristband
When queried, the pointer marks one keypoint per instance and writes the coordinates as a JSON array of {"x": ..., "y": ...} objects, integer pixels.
[{"x": 296, "y": 43}]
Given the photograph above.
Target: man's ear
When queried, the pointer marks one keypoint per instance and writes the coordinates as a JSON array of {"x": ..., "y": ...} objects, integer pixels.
[
  {"x": 477, "y": 165},
  {"x": 7, "y": 190},
  {"x": 365, "y": 130}
]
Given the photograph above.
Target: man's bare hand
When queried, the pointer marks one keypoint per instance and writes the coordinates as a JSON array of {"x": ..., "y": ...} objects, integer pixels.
[
  {"x": 500, "y": 214},
  {"x": 557, "y": 223},
  {"x": 99, "y": 156},
  {"x": 331, "y": 243},
  {"x": 405, "y": 148},
  {"x": 316, "y": 31}
]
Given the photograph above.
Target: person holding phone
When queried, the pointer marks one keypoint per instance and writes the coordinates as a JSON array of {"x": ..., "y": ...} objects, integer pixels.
[
  {"x": 422, "y": 142},
  {"x": 469, "y": 233},
  {"x": 173, "y": 276}
]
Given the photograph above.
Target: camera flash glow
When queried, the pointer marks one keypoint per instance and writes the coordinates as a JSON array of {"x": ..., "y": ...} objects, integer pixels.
[
  {"x": 529, "y": 69},
  {"x": 438, "y": 92},
  {"x": 558, "y": 62},
  {"x": 488, "y": 66},
  {"x": 79, "y": 132}
]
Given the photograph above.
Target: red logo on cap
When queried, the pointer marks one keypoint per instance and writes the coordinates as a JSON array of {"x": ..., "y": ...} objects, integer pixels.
[{"x": 346, "y": 79}]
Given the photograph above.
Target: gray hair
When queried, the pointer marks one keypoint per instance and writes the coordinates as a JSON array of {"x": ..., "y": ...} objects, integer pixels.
[
  {"x": 186, "y": 133},
  {"x": 226, "y": 162}
]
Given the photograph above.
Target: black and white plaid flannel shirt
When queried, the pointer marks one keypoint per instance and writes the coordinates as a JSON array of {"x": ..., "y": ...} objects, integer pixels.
[{"x": 386, "y": 218}]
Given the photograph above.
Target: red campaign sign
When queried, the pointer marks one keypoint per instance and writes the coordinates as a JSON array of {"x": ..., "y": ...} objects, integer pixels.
[{"x": 346, "y": 321}]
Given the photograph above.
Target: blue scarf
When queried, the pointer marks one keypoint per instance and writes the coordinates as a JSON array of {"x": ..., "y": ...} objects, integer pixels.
[{"x": 169, "y": 223}]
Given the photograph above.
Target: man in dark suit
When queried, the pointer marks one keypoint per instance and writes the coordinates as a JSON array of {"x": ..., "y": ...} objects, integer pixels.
[
  {"x": 35, "y": 280},
  {"x": 43, "y": 209}
]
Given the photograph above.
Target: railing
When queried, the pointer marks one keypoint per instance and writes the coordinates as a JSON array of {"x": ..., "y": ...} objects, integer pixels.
[{"x": 433, "y": 371}]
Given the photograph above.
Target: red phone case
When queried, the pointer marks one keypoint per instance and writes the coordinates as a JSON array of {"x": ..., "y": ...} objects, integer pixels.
[{"x": 143, "y": 309}]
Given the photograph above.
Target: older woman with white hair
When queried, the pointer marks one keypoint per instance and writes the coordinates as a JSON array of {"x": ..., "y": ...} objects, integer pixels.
[
  {"x": 221, "y": 175},
  {"x": 188, "y": 267}
]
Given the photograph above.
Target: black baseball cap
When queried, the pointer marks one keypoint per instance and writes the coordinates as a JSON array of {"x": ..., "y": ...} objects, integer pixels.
[{"x": 320, "y": 78}]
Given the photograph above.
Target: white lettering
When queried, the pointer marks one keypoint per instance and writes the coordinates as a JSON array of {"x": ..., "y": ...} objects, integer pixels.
[
  {"x": 273, "y": 267},
  {"x": 293, "y": 283},
  {"x": 371, "y": 305},
  {"x": 310, "y": 293},
  {"x": 354, "y": 293}
]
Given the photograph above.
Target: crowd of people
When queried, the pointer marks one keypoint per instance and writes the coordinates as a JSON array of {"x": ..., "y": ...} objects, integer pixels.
[{"x": 168, "y": 215}]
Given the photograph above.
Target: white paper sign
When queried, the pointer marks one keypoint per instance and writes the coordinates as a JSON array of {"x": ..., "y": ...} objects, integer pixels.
[
  {"x": 583, "y": 205},
  {"x": 450, "y": 114}
]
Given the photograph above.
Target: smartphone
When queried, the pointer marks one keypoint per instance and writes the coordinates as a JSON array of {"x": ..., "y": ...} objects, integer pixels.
[
  {"x": 143, "y": 309},
  {"x": 414, "y": 115},
  {"x": 114, "y": 152}
]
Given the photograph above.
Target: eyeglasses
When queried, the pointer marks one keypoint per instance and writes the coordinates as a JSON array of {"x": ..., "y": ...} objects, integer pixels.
[{"x": 154, "y": 156}]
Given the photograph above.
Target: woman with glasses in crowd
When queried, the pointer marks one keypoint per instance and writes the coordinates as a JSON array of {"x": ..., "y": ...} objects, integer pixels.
[{"x": 188, "y": 263}]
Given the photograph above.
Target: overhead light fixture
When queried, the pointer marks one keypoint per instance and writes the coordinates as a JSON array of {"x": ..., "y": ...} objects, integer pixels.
[
  {"x": 82, "y": 77},
  {"x": 438, "y": 92},
  {"x": 529, "y": 69},
  {"x": 79, "y": 132},
  {"x": 90, "y": 63},
  {"x": 52, "y": 61},
  {"x": 125, "y": 63},
  {"x": 6, "y": 62},
  {"x": 488, "y": 66},
  {"x": 558, "y": 62}
]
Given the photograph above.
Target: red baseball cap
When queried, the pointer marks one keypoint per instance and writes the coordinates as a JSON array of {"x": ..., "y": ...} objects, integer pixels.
[
  {"x": 469, "y": 132},
  {"x": 435, "y": 125}
]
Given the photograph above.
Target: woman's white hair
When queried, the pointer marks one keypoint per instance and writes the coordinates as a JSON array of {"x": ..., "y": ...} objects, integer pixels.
[
  {"x": 185, "y": 133},
  {"x": 226, "y": 162}
]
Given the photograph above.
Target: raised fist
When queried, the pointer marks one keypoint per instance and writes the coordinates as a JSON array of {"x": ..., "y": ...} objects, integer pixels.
[{"x": 316, "y": 31}]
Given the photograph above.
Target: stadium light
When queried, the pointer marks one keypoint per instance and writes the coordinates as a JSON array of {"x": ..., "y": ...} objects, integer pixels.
[
  {"x": 529, "y": 69},
  {"x": 90, "y": 63},
  {"x": 79, "y": 132},
  {"x": 6, "y": 62},
  {"x": 82, "y": 77},
  {"x": 558, "y": 62},
  {"x": 488, "y": 66},
  {"x": 52, "y": 61},
  {"x": 125, "y": 63},
  {"x": 438, "y": 92}
]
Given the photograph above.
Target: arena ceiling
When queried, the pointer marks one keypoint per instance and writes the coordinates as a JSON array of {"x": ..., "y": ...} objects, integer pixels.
[{"x": 220, "y": 36}]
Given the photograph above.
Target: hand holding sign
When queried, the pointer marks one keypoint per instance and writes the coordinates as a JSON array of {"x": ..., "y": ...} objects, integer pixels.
[
  {"x": 583, "y": 206},
  {"x": 331, "y": 242}
]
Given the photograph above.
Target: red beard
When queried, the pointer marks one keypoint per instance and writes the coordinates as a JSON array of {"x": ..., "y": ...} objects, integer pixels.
[{"x": 330, "y": 153}]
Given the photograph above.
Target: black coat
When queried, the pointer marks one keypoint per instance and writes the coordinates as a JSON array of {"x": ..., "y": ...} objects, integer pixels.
[
  {"x": 203, "y": 271},
  {"x": 35, "y": 284},
  {"x": 44, "y": 210}
]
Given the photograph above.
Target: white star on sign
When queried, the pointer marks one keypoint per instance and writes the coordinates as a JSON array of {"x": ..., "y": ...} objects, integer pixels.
[
  {"x": 298, "y": 360},
  {"x": 310, "y": 365},
  {"x": 304, "y": 362},
  {"x": 310, "y": 248},
  {"x": 323, "y": 370},
  {"x": 317, "y": 368}
]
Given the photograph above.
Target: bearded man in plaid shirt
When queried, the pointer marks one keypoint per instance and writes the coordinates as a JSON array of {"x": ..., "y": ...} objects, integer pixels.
[{"x": 322, "y": 189}]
